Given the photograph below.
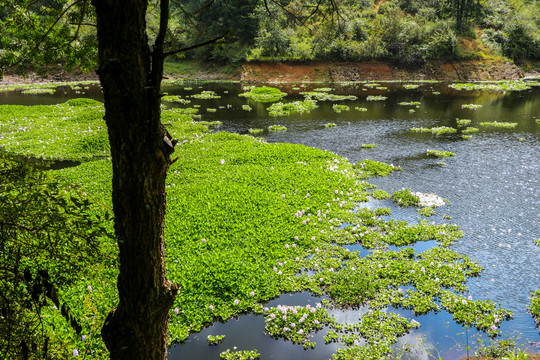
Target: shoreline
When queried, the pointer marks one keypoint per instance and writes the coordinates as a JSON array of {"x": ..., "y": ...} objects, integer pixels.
[{"x": 325, "y": 72}]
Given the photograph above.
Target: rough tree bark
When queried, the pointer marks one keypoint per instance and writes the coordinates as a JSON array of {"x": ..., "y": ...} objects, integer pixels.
[{"x": 130, "y": 74}]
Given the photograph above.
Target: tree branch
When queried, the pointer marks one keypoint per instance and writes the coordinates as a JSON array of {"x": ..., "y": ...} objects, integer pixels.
[
  {"x": 48, "y": 31},
  {"x": 212, "y": 41}
]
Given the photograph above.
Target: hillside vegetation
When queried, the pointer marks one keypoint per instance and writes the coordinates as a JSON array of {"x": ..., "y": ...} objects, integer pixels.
[{"x": 406, "y": 33}]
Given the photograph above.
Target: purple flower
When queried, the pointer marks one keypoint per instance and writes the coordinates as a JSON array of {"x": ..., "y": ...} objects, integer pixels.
[
  {"x": 203, "y": 241},
  {"x": 464, "y": 302},
  {"x": 83, "y": 338},
  {"x": 284, "y": 317},
  {"x": 293, "y": 325},
  {"x": 89, "y": 288},
  {"x": 176, "y": 311},
  {"x": 272, "y": 315},
  {"x": 493, "y": 327},
  {"x": 75, "y": 352},
  {"x": 252, "y": 293},
  {"x": 211, "y": 307},
  {"x": 222, "y": 161},
  {"x": 283, "y": 196},
  {"x": 287, "y": 246},
  {"x": 236, "y": 302}
]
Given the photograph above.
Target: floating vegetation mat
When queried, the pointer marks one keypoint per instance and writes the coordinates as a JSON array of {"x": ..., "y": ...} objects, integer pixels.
[
  {"x": 495, "y": 86},
  {"x": 498, "y": 124},
  {"x": 435, "y": 130},
  {"x": 249, "y": 220},
  {"x": 263, "y": 94},
  {"x": 296, "y": 107}
]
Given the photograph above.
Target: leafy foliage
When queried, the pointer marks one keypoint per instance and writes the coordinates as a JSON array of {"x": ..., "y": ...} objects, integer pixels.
[{"x": 51, "y": 238}]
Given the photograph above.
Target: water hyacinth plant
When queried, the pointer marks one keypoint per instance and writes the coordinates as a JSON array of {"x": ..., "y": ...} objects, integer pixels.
[
  {"x": 405, "y": 198},
  {"x": 207, "y": 94},
  {"x": 239, "y": 354},
  {"x": 329, "y": 125},
  {"x": 338, "y": 108},
  {"x": 324, "y": 96},
  {"x": 498, "y": 124},
  {"x": 215, "y": 340},
  {"x": 255, "y": 131},
  {"x": 264, "y": 94},
  {"x": 471, "y": 106},
  {"x": 296, "y": 107},
  {"x": 463, "y": 122},
  {"x": 296, "y": 323},
  {"x": 440, "y": 153},
  {"x": 175, "y": 98},
  {"x": 534, "y": 307},
  {"x": 369, "y": 146},
  {"x": 277, "y": 128},
  {"x": 376, "y": 98},
  {"x": 249, "y": 220},
  {"x": 435, "y": 130}
]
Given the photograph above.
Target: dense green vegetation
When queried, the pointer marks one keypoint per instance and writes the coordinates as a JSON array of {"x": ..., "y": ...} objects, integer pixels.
[
  {"x": 245, "y": 220},
  {"x": 407, "y": 33}
]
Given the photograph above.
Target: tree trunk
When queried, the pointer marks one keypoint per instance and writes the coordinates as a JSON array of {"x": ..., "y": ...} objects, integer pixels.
[{"x": 137, "y": 327}]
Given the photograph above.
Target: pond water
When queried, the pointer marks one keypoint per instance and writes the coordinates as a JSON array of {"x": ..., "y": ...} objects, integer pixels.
[{"x": 492, "y": 183}]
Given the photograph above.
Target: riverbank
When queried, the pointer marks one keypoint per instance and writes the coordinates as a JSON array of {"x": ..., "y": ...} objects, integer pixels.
[{"x": 325, "y": 72}]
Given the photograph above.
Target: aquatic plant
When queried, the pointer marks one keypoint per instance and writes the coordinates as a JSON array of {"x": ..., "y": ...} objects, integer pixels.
[
  {"x": 211, "y": 109},
  {"x": 409, "y": 103},
  {"x": 339, "y": 108},
  {"x": 216, "y": 123},
  {"x": 329, "y": 125},
  {"x": 215, "y": 340},
  {"x": 471, "y": 106},
  {"x": 405, "y": 198},
  {"x": 380, "y": 194},
  {"x": 367, "y": 168},
  {"x": 324, "y": 89},
  {"x": 247, "y": 108},
  {"x": 493, "y": 86},
  {"x": 369, "y": 146},
  {"x": 426, "y": 211},
  {"x": 284, "y": 109},
  {"x": 323, "y": 96},
  {"x": 38, "y": 91},
  {"x": 534, "y": 307},
  {"x": 376, "y": 98},
  {"x": 436, "y": 130},
  {"x": 248, "y": 220},
  {"x": 175, "y": 98},
  {"x": 296, "y": 323},
  {"x": 411, "y": 86},
  {"x": 207, "y": 94},
  {"x": 498, "y": 124},
  {"x": 264, "y": 94},
  {"x": 463, "y": 122},
  {"x": 440, "y": 153},
  {"x": 239, "y": 354},
  {"x": 466, "y": 137},
  {"x": 360, "y": 108},
  {"x": 277, "y": 128},
  {"x": 255, "y": 131},
  {"x": 470, "y": 130}
]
